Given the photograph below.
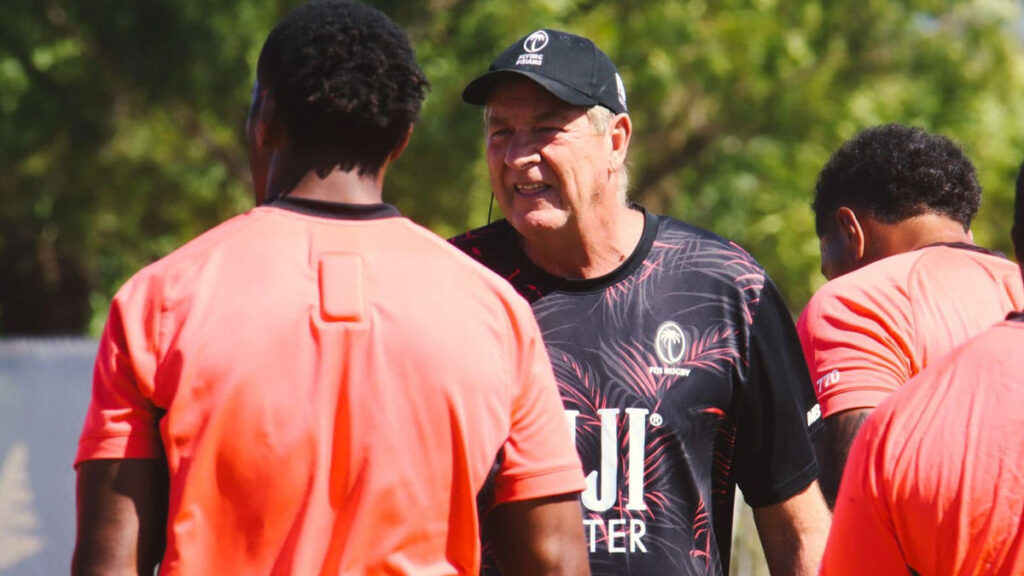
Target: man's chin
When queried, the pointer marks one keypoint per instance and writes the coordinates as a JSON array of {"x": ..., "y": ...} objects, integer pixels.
[{"x": 538, "y": 221}]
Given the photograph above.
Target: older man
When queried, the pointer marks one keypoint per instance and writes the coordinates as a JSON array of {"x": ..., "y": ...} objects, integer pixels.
[{"x": 678, "y": 364}]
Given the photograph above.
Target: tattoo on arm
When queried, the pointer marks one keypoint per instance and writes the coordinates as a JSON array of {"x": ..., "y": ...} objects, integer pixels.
[{"x": 834, "y": 448}]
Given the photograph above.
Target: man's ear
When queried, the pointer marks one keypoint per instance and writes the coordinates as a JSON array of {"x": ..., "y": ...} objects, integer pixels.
[
  {"x": 621, "y": 129},
  {"x": 266, "y": 125},
  {"x": 852, "y": 233}
]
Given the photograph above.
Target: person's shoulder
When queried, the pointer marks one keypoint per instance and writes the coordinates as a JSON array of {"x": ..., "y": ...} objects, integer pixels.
[
  {"x": 458, "y": 262},
  {"x": 485, "y": 239},
  {"x": 956, "y": 259},
  {"x": 984, "y": 356},
  {"x": 164, "y": 280},
  {"x": 495, "y": 245},
  {"x": 676, "y": 233},
  {"x": 885, "y": 275},
  {"x": 683, "y": 229},
  {"x": 197, "y": 249}
]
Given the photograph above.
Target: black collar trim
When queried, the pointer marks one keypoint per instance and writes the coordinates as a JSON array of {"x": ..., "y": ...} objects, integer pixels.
[
  {"x": 1015, "y": 316},
  {"x": 966, "y": 246},
  {"x": 336, "y": 210}
]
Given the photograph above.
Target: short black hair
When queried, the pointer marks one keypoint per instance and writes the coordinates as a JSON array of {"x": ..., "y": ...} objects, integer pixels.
[
  {"x": 894, "y": 172},
  {"x": 346, "y": 81}
]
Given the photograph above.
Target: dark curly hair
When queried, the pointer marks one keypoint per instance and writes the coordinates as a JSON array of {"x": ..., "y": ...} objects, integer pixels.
[
  {"x": 895, "y": 172},
  {"x": 346, "y": 81}
]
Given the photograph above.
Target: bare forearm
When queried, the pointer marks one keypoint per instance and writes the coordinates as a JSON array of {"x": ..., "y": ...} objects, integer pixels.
[
  {"x": 793, "y": 533},
  {"x": 542, "y": 537},
  {"x": 122, "y": 511}
]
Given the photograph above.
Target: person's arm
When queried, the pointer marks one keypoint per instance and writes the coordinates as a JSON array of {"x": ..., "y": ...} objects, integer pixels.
[
  {"x": 858, "y": 339},
  {"x": 539, "y": 537},
  {"x": 833, "y": 448},
  {"x": 122, "y": 516},
  {"x": 793, "y": 532}
]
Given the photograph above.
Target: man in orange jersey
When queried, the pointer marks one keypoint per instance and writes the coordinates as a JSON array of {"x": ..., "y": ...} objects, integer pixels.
[
  {"x": 275, "y": 398},
  {"x": 893, "y": 209},
  {"x": 934, "y": 484}
]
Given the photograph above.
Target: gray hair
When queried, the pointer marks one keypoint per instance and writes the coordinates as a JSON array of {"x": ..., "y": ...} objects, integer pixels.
[{"x": 601, "y": 119}]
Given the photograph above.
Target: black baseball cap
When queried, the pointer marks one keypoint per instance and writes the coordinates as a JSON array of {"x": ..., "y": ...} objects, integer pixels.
[{"x": 568, "y": 66}]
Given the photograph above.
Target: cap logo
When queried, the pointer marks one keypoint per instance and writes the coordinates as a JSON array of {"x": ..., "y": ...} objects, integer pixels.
[
  {"x": 536, "y": 42},
  {"x": 621, "y": 88}
]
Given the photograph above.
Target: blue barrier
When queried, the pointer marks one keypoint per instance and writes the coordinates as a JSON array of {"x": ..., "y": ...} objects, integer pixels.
[{"x": 44, "y": 390}]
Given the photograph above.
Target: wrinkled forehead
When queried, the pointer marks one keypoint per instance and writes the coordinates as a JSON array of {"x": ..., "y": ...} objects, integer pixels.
[{"x": 522, "y": 98}]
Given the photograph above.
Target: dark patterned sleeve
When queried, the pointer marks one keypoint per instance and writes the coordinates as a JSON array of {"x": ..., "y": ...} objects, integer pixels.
[{"x": 778, "y": 411}]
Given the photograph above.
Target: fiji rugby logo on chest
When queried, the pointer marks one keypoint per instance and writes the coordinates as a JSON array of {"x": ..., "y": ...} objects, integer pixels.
[{"x": 670, "y": 348}]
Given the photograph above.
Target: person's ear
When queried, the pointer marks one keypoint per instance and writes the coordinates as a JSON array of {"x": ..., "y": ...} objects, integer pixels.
[
  {"x": 852, "y": 233},
  {"x": 266, "y": 125},
  {"x": 620, "y": 129}
]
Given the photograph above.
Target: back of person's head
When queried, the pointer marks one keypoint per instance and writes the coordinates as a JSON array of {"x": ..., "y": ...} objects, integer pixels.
[
  {"x": 894, "y": 172},
  {"x": 346, "y": 82}
]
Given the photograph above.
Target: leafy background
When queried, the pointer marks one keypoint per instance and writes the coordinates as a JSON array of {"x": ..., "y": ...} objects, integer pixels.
[{"x": 121, "y": 124}]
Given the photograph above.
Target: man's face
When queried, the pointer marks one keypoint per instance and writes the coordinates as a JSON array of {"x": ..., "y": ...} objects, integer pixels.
[{"x": 548, "y": 164}]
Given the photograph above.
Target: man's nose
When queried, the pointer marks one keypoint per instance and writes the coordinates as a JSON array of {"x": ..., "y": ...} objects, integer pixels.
[{"x": 522, "y": 151}]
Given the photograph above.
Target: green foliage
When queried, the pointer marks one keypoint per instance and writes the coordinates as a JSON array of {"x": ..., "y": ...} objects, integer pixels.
[{"x": 121, "y": 124}]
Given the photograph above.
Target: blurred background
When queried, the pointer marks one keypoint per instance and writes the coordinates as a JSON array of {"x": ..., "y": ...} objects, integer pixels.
[{"x": 121, "y": 138}]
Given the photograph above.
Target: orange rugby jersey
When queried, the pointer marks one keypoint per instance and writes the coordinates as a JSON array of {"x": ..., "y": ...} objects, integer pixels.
[
  {"x": 330, "y": 385},
  {"x": 934, "y": 482},
  {"x": 867, "y": 332}
]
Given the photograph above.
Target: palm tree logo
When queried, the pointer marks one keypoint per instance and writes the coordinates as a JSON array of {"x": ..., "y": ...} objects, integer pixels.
[{"x": 670, "y": 343}]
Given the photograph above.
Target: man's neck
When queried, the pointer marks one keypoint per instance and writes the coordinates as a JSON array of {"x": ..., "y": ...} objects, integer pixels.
[
  {"x": 913, "y": 233},
  {"x": 301, "y": 177},
  {"x": 589, "y": 248}
]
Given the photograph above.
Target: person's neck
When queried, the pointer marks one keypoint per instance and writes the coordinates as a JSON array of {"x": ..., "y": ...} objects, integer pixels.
[
  {"x": 914, "y": 233},
  {"x": 299, "y": 176},
  {"x": 590, "y": 247}
]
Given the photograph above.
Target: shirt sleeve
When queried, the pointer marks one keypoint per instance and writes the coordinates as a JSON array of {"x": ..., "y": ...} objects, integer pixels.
[
  {"x": 122, "y": 421},
  {"x": 539, "y": 457},
  {"x": 778, "y": 413},
  {"x": 863, "y": 539},
  {"x": 857, "y": 344}
]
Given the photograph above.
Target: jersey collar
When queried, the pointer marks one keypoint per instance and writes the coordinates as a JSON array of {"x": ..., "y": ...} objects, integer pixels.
[
  {"x": 336, "y": 210},
  {"x": 966, "y": 246}
]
